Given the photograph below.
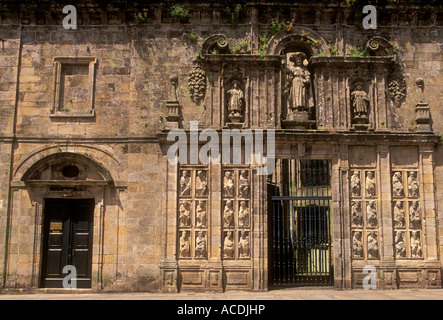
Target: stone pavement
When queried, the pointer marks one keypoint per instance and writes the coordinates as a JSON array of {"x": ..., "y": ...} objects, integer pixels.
[{"x": 282, "y": 294}]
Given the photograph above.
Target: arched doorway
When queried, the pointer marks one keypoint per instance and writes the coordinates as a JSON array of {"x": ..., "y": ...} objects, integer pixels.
[{"x": 70, "y": 190}]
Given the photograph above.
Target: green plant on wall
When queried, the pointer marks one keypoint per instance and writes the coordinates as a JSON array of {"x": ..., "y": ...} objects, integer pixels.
[
  {"x": 282, "y": 26},
  {"x": 263, "y": 44},
  {"x": 356, "y": 51},
  {"x": 192, "y": 37},
  {"x": 141, "y": 17},
  {"x": 179, "y": 12},
  {"x": 234, "y": 14}
]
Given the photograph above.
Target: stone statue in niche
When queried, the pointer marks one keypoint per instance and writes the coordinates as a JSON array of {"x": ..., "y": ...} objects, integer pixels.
[
  {"x": 371, "y": 214},
  {"x": 355, "y": 184},
  {"x": 399, "y": 215},
  {"x": 184, "y": 214},
  {"x": 397, "y": 184},
  {"x": 412, "y": 184},
  {"x": 243, "y": 214},
  {"x": 298, "y": 90},
  {"x": 228, "y": 184},
  {"x": 228, "y": 245},
  {"x": 243, "y": 182},
  {"x": 357, "y": 245},
  {"x": 228, "y": 214},
  {"x": 185, "y": 245},
  {"x": 243, "y": 245},
  {"x": 201, "y": 186},
  {"x": 235, "y": 104},
  {"x": 372, "y": 245},
  {"x": 185, "y": 184},
  {"x": 414, "y": 215},
  {"x": 370, "y": 184},
  {"x": 357, "y": 217},
  {"x": 416, "y": 251},
  {"x": 360, "y": 104},
  {"x": 400, "y": 245},
  {"x": 200, "y": 245},
  {"x": 200, "y": 214}
]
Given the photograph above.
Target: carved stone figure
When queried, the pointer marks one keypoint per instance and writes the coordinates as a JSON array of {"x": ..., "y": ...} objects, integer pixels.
[
  {"x": 412, "y": 184},
  {"x": 371, "y": 214},
  {"x": 185, "y": 184},
  {"x": 357, "y": 217},
  {"x": 200, "y": 214},
  {"x": 228, "y": 184},
  {"x": 399, "y": 215},
  {"x": 355, "y": 184},
  {"x": 185, "y": 245},
  {"x": 360, "y": 101},
  {"x": 370, "y": 184},
  {"x": 235, "y": 102},
  {"x": 414, "y": 215},
  {"x": 243, "y": 184},
  {"x": 357, "y": 245},
  {"x": 372, "y": 245},
  {"x": 228, "y": 245},
  {"x": 184, "y": 214},
  {"x": 298, "y": 87},
  {"x": 400, "y": 245},
  {"x": 228, "y": 214},
  {"x": 200, "y": 245},
  {"x": 243, "y": 214},
  {"x": 416, "y": 251},
  {"x": 243, "y": 245},
  {"x": 201, "y": 186},
  {"x": 397, "y": 184}
]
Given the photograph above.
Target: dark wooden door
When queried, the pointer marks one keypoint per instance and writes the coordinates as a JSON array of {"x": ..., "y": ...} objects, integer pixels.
[{"x": 67, "y": 240}]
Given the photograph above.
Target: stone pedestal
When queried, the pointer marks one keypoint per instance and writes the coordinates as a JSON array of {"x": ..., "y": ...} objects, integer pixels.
[
  {"x": 235, "y": 122},
  {"x": 360, "y": 123},
  {"x": 423, "y": 117},
  {"x": 298, "y": 120}
]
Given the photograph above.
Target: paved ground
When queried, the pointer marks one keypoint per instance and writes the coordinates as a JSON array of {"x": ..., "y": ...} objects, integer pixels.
[{"x": 285, "y": 294}]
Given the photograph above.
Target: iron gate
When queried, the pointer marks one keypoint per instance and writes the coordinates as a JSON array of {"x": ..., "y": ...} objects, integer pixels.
[{"x": 300, "y": 193}]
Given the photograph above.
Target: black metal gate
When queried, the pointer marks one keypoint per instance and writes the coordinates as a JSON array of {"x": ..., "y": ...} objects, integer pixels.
[{"x": 300, "y": 233}]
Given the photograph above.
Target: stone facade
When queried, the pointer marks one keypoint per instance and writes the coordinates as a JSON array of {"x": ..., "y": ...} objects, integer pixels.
[{"x": 103, "y": 97}]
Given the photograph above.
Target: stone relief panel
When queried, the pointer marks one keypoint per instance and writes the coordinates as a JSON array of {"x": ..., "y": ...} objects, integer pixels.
[
  {"x": 236, "y": 214},
  {"x": 364, "y": 208},
  {"x": 192, "y": 213},
  {"x": 406, "y": 207}
]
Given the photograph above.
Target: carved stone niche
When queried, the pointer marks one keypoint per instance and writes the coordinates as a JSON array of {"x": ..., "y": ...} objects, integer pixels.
[
  {"x": 360, "y": 103},
  {"x": 235, "y": 103}
]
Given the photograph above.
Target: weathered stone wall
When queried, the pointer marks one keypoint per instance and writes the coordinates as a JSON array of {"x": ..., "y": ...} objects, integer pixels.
[{"x": 121, "y": 126}]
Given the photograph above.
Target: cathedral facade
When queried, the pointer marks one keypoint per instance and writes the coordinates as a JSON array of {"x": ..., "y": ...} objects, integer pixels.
[{"x": 219, "y": 146}]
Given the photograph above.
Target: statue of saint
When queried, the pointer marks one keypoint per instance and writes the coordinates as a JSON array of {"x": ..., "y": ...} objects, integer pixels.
[
  {"x": 243, "y": 245},
  {"x": 185, "y": 215},
  {"x": 228, "y": 214},
  {"x": 228, "y": 184},
  {"x": 243, "y": 214},
  {"x": 228, "y": 245},
  {"x": 357, "y": 245},
  {"x": 185, "y": 184},
  {"x": 200, "y": 245},
  {"x": 298, "y": 89},
  {"x": 399, "y": 215},
  {"x": 360, "y": 101},
  {"x": 185, "y": 246},
  {"x": 235, "y": 102}
]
